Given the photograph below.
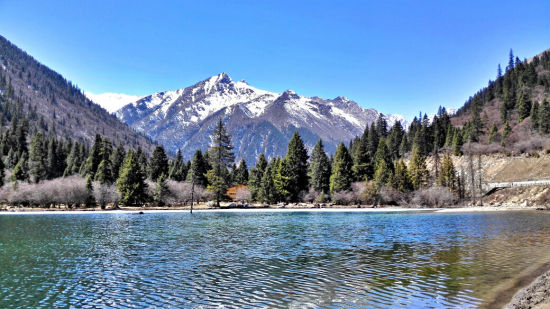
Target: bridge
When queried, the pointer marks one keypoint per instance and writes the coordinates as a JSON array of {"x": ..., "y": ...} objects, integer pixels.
[{"x": 492, "y": 187}]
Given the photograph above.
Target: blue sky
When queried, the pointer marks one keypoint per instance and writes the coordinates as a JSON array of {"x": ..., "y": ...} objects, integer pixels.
[{"x": 395, "y": 56}]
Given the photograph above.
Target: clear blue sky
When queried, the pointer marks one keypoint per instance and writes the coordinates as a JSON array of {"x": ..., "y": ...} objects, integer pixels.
[{"x": 395, "y": 56}]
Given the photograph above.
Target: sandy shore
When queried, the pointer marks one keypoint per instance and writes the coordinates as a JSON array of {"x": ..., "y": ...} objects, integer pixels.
[{"x": 228, "y": 210}]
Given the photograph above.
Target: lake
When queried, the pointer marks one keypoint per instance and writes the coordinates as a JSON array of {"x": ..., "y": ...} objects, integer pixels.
[{"x": 267, "y": 259}]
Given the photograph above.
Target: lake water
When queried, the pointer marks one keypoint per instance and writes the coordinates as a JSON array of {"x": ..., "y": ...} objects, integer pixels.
[{"x": 266, "y": 259}]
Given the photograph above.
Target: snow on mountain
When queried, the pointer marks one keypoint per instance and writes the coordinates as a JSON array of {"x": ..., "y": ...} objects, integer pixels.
[
  {"x": 258, "y": 120},
  {"x": 111, "y": 101},
  {"x": 393, "y": 118}
]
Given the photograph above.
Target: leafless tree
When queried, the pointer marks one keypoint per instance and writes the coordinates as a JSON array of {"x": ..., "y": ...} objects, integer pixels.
[
  {"x": 434, "y": 197},
  {"x": 105, "y": 194},
  {"x": 243, "y": 194}
]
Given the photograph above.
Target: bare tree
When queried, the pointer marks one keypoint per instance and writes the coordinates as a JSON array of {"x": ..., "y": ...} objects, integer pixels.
[
  {"x": 480, "y": 178},
  {"x": 472, "y": 173},
  {"x": 243, "y": 194}
]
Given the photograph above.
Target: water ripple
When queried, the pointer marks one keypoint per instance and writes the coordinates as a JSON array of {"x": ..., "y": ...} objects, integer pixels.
[{"x": 264, "y": 260}]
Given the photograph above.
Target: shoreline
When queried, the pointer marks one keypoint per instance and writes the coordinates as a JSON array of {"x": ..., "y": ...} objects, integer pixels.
[
  {"x": 533, "y": 290},
  {"x": 137, "y": 210}
]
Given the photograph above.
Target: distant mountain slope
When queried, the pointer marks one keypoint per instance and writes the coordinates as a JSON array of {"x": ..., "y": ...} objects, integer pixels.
[
  {"x": 258, "y": 120},
  {"x": 54, "y": 104}
]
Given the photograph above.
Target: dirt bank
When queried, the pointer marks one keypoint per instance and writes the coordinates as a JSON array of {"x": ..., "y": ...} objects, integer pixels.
[{"x": 536, "y": 295}]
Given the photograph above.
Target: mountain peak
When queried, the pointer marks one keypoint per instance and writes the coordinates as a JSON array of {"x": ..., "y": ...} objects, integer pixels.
[
  {"x": 341, "y": 99},
  {"x": 288, "y": 95},
  {"x": 220, "y": 78}
]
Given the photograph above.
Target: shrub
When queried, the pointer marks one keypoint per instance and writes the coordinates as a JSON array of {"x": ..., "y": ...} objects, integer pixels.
[
  {"x": 343, "y": 197},
  {"x": 311, "y": 196},
  {"x": 105, "y": 194},
  {"x": 243, "y": 194},
  {"x": 69, "y": 191},
  {"x": 391, "y": 196},
  {"x": 434, "y": 197},
  {"x": 180, "y": 193}
]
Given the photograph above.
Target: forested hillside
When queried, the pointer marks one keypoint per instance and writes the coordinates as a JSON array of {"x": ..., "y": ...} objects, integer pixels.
[
  {"x": 513, "y": 108},
  {"x": 34, "y": 96}
]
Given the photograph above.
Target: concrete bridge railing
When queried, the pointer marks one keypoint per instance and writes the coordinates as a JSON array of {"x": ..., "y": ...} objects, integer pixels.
[{"x": 492, "y": 186}]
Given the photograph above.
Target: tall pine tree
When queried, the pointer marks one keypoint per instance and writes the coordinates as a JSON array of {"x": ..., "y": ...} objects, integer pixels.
[
  {"x": 221, "y": 158},
  {"x": 256, "y": 175},
  {"x": 319, "y": 169},
  {"x": 158, "y": 164},
  {"x": 342, "y": 174},
  {"x": 295, "y": 169},
  {"x": 131, "y": 182}
]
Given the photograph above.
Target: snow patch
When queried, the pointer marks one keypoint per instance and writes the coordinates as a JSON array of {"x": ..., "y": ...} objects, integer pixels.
[{"x": 111, "y": 101}]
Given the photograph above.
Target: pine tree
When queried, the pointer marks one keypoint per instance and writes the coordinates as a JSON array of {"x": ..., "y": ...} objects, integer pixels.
[
  {"x": 198, "y": 169},
  {"x": 21, "y": 170},
  {"x": 52, "y": 161},
  {"x": 447, "y": 176},
  {"x": 282, "y": 180},
  {"x": 400, "y": 179},
  {"x": 342, "y": 174},
  {"x": 104, "y": 173},
  {"x": 268, "y": 192},
  {"x": 37, "y": 159},
  {"x": 71, "y": 160},
  {"x": 296, "y": 168},
  {"x": 493, "y": 133},
  {"x": 131, "y": 182},
  {"x": 142, "y": 159},
  {"x": 524, "y": 106},
  {"x": 2, "y": 171},
  {"x": 158, "y": 165},
  {"x": 94, "y": 158},
  {"x": 255, "y": 179},
  {"x": 221, "y": 157},
  {"x": 404, "y": 146},
  {"x": 372, "y": 144},
  {"x": 417, "y": 170},
  {"x": 319, "y": 169},
  {"x": 178, "y": 169},
  {"x": 161, "y": 190},
  {"x": 361, "y": 159},
  {"x": 381, "y": 126},
  {"x": 383, "y": 173},
  {"x": 510, "y": 61},
  {"x": 503, "y": 111},
  {"x": 457, "y": 143},
  {"x": 383, "y": 156},
  {"x": 544, "y": 117},
  {"x": 394, "y": 139},
  {"x": 90, "y": 200},
  {"x": 117, "y": 158},
  {"x": 241, "y": 174},
  {"x": 505, "y": 133},
  {"x": 534, "y": 115}
]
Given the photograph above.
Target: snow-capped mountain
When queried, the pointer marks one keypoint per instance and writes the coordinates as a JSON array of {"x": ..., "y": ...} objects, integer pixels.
[
  {"x": 258, "y": 120},
  {"x": 111, "y": 101}
]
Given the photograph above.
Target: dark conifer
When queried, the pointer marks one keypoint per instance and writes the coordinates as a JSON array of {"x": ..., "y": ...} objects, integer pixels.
[
  {"x": 342, "y": 174},
  {"x": 158, "y": 164},
  {"x": 131, "y": 182},
  {"x": 319, "y": 169}
]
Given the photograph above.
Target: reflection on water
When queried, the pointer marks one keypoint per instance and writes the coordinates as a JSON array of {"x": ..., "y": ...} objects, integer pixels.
[{"x": 265, "y": 259}]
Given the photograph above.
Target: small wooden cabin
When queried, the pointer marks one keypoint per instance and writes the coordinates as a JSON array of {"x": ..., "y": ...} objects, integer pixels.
[{"x": 232, "y": 192}]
